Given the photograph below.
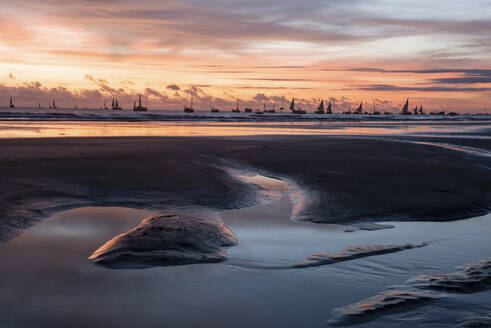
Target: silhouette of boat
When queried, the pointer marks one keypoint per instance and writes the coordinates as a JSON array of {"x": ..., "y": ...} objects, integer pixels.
[
  {"x": 54, "y": 105},
  {"x": 421, "y": 112},
  {"x": 296, "y": 111},
  {"x": 248, "y": 110},
  {"x": 329, "y": 109},
  {"x": 375, "y": 112},
  {"x": 115, "y": 105},
  {"x": 189, "y": 109},
  {"x": 139, "y": 108},
  {"x": 320, "y": 108},
  {"x": 359, "y": 110},
  {"x": 405, "y": 109},
  {"x": 214, "y": 109},
  {"x": 415, "y": 110},
  {"x": 236, "y": 110},
  {"x": 11, "y": 103}
]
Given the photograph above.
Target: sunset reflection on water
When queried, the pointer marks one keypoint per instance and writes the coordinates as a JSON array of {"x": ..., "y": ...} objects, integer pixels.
[{"x": 120, "y": 129}]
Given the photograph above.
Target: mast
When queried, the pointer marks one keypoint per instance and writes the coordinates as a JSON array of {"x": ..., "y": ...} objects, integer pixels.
[
  {"x": 237, "y": 104},
  {"x": 113, "y": 103},
  {"x": 11, "y": 102}
]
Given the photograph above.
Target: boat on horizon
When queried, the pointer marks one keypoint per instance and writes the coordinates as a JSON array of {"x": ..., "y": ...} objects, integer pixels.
[
  {"x": 359, "y": 110},
  {"x": 329, "y": 109},
  {"x": 296, "y": 111},
  {"x": 236, "y": 110},
  {"x": 214, "y": 109},
  {"x": 11, "y": 103},
  {"x": 139, "y": 108},
  {"x": 54, "y": 105},
  {"x": 405, "y": 109},
  {"x": 115, "y": 104},
  {"x": 189, "y": 109},
  {"x": 320, "y": 108}
]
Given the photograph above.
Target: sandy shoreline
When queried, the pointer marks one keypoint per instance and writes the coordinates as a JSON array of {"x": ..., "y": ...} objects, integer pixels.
[{"x": 348, "y": 179}]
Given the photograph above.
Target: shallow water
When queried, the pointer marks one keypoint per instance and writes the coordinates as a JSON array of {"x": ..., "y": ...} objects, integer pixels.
[
  {"x": 43, "y": 129},
  {"x": 47, "y": 280}
]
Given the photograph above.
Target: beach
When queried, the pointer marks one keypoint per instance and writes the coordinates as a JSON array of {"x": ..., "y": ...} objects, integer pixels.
[{"x": 284, "y": 197}]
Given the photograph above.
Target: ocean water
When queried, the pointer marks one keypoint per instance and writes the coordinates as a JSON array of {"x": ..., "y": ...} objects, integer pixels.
[{"x": 47, "y": 280}]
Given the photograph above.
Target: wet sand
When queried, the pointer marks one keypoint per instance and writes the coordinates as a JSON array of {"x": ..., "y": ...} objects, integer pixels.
[{"x": 345, "y": 179}]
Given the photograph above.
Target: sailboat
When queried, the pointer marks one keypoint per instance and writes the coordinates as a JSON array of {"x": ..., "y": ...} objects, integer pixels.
[
  {"x": 320, "y": 108},
  {"x": 54, "y": 105},
  {"x": 359, "y": 110},
  {"x": 405, "y": 109},
  {"x": 11, "y": 103},
  {"x": 214, "y": 109},
  {"x": 189, "y": 109},
  {"x": 329, "y": 108},
  {"x": 375, "y": 112},
  {"x": 415, "y": 110},
  {"x": 115, "y": 104},
  {"x": 421, "y": 110},
  {"x": 236, "y": 110},
  {"x": 248, "y": 110},
  {"x": 140, "y": 108},
  {"x": 295, "y": 111}
]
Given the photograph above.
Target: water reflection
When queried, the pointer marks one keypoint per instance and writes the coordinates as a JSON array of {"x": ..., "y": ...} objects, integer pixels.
[
  {"x": 116, "y": 129},
  {"x": 48, "y": 282}
]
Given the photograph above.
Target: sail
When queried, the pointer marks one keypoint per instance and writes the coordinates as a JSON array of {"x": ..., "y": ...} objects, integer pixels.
[
  {"x": 360, "y": 109},
  {"x": 329, "y": 108},
  {"x": 292, "y": 104},
  {"x": 405, "y": 109},
  {"x": 320, "y": 108},
  {"x": 421, "y": 109}
]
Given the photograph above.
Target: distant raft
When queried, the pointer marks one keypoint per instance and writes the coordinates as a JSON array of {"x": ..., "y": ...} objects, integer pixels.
[{"x": 167, "y": 240}]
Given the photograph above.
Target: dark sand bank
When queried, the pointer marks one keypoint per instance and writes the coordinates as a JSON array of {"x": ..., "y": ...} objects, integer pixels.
[{"x": 345, "y": 179}]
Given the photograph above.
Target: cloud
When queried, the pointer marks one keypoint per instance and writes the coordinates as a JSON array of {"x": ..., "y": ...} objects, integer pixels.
[
  {"x": 173, "y": 87},
  {"x": 389, "y": 87}
]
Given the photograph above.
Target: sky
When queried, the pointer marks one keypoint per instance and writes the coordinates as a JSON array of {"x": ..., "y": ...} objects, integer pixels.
[{"x": 380, "y": 52}]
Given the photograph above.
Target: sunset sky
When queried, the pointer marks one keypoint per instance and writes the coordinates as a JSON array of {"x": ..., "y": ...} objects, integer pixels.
[{"x": 81, "y": 52}]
